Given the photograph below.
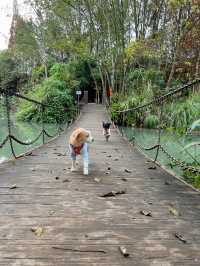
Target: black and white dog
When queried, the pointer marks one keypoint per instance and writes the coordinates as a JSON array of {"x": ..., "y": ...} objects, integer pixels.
[{"x": 106, "y": 129}]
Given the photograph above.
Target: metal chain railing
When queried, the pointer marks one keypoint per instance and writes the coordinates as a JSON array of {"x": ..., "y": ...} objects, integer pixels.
[
  {"x": 10, "y": 137},
  {"x": 159, "y": 101},
  {"x": 165, "y": 97},
  {"x": 182, "y": 164}
]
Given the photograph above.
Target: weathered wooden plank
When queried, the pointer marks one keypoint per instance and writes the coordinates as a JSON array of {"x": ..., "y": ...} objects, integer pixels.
[{"x": 74, "y": 215}]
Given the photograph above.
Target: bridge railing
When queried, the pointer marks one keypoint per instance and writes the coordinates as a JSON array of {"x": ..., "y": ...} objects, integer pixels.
[
  {"x": 43, "y": 135},
  {"x": 158, "y": 103}
]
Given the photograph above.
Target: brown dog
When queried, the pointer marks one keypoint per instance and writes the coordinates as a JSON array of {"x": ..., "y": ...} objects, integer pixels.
[{"x": 78, "y": 145}]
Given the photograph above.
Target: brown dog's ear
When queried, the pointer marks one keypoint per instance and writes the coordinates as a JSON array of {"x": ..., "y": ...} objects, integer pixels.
[
  {"x": 76, "y": 132},
  {"x": 78, "y": 136}
]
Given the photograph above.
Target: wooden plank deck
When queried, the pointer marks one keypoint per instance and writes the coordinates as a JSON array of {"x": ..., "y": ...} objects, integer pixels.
[{"x": 74, "y": 216}]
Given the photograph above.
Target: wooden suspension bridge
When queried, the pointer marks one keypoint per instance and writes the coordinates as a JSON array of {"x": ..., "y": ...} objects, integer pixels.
[{"x": 52, "y": 217}]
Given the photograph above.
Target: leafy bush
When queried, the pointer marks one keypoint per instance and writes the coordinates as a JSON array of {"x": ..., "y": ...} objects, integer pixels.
[
  {"x": 129, "y": 118},
  {"x": 59, "y": 71},
  {"x": 38, "y": 73},
  {"x": 53, "y": 93},
  {"x": 156, "y": 77},
  {"x": 180, "y": 115},
  {"x": 151, "y": 121},
  {"x": 192, "y": 178}
]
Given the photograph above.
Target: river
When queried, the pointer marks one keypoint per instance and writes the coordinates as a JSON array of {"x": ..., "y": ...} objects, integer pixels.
[
  {"x": 172, "y": 142},
  {"x": 25, "y": 132}
]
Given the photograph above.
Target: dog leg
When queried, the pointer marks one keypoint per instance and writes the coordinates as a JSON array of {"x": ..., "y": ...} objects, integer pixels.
[
  {"x": 85, "y": 159},
  {"x": 73, "y": 168},
  {"x": 85, "y": 167}
]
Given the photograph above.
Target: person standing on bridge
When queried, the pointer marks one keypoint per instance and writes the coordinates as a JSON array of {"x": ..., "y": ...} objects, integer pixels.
[{"x": 109, "y": 94}]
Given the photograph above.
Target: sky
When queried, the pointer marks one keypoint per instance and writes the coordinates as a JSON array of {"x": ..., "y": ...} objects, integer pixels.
[{"x": 6, "y": 8}]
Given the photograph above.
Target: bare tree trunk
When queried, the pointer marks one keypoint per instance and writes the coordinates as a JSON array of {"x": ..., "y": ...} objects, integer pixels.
[
  {"x": 197, "y": 65},
  {"x": 172, "y": 68},
  {"x": 103, "y": 85}
]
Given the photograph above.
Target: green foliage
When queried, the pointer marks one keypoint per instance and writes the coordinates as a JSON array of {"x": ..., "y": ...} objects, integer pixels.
[
  {"x": 151, "y": 121},
  {"x": 180, "y": 115},
  {"x": 192, "y": 178},
  {"x": 156, "y": 77},
  {"x": 53, "y": 93},
  {"x": 147, "y": 84},
  {"x": 9, "y": 74},
  {"x": 79, "y": 73},
  {"x": 146, "y": 81},
  {"x": 123, "y": 103},
  {"x": 59, "y": 71},
  {"x": 38, "y": 73},
  {"x": 26, "y": 46},
  {"x": 141, "y": 93},
  {"x": 57, "y": 90}
]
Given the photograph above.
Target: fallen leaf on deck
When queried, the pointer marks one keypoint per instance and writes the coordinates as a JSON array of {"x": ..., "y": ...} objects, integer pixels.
[
  {"x": 109, "y": 156},
  {"x": 168, "y": 182},
  {"x": 59, "y": 154},
  {"x": 124, "y": 179},
  {"x": 146, "y": 213},
  {"x": 153, "y": 167},
  {"x": 31, "y": 154},
  {"x": 180, "y": 237},
  {"x": 13, "y": 186},
  {"x": 66, "y": 180},
  {"x": 37, "y": 230},
  {"x": 127, "y": 171},
  {"x": 148, "y": 161},
  {"x": 109, "y": 168},
  {"x": 113, "y": 193},
  {"x": 107, "y": 173},
  {"x": 116, "y": 159},
  {"x": 57, "y": 177},
  {"x": 173, "y": 211},
  {"x": 124, "y": 252},
  {"x": 98, "y": 180}
]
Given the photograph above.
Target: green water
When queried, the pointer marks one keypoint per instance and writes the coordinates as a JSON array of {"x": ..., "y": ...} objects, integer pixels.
[
  {"x": 173, "y": 143},
  {"x": 25, "y": 132}
]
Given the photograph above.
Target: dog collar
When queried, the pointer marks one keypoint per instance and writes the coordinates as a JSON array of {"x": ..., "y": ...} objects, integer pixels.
[{"x": 77, "y": 150}]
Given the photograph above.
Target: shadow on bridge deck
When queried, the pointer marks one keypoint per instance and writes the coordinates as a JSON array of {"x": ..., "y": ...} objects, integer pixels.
[{"x": 80, "y": 222}]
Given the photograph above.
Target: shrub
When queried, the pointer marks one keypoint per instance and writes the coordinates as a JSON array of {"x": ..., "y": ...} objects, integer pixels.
[
  {"x": 151, "y": 121},
  {"x": 53, "y": 93},
  {"x": 128, "y": 118},
  {"x": 192, "y": 178},
  {"x": 59, "y": 71},
  {"x": 180, "y": 115}
]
